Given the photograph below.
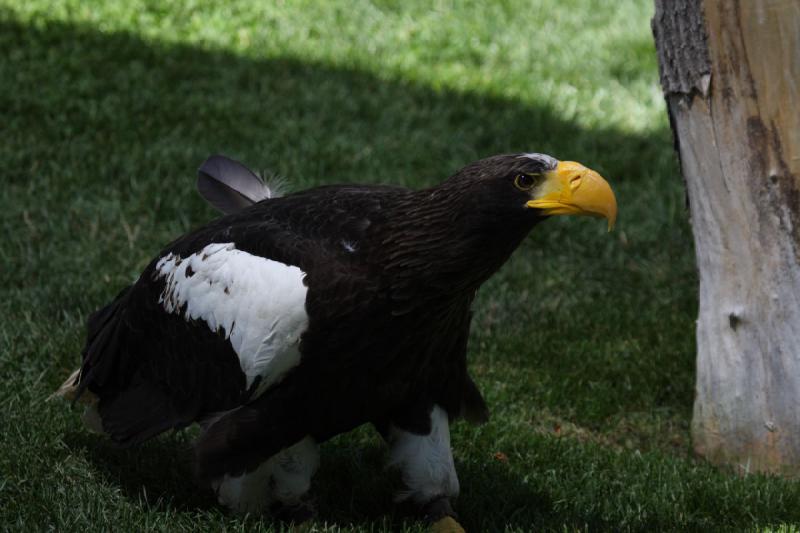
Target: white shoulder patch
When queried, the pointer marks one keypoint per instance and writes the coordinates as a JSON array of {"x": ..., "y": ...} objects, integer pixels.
[{"x": 259, "y": 303}]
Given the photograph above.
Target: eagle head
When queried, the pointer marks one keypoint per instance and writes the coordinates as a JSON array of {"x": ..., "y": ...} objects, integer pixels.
[{"x": 535, "y": 185}]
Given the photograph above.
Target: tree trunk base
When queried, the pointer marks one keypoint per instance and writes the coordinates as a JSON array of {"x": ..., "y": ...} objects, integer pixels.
[{"x": 732, "y": 94}]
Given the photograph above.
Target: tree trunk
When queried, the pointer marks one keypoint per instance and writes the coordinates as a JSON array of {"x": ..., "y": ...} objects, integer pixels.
[{"x": 730, "y": 70}]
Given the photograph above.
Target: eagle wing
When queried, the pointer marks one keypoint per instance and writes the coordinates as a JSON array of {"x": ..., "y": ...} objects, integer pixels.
[{"x": 217, "y": 317}]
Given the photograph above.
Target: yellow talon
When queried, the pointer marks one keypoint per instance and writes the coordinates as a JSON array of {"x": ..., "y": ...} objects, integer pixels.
[{"x": 447, "y": 525}]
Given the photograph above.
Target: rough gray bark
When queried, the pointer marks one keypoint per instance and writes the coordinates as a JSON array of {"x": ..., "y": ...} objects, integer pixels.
[{"x": 730, "y": 70}]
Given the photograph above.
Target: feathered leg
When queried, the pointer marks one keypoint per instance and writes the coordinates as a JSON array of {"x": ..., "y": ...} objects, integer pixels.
[
  {"x": 429, "y": 475},
  {"x": 279, "y": 485}
]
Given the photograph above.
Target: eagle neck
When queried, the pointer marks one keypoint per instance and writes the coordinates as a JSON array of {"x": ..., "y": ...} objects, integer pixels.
[{"x": 443, "y": 246}]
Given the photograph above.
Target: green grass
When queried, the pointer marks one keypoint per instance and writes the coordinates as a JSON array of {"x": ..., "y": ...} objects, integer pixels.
[{"x": 583, "y": 343}]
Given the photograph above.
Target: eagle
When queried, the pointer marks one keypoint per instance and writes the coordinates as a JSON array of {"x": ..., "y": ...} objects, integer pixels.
[{"x": 291, "y": 319}]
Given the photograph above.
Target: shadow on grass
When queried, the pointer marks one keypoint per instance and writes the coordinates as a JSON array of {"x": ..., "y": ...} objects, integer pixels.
[
  {"x": 145, "y": 108},
  {"x": 105, "y": 125},
  {"x": 352, "y": 487},
  {"x": 355, "y": 487},
  {"x": 159, "y": 472}
]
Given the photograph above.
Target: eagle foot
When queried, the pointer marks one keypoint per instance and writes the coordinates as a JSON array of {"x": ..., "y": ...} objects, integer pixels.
[{"x": 448, "y": 524}]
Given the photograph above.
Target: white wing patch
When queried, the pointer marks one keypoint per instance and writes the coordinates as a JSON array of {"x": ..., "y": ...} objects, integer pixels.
[{"x": 259, "y": 303}]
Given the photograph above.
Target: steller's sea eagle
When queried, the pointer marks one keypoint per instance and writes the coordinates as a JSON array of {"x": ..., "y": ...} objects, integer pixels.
[{"x": 293, "y": 319}]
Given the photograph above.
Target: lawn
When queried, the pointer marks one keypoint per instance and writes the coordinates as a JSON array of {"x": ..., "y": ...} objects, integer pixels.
[{"x": 583, "y": 344}]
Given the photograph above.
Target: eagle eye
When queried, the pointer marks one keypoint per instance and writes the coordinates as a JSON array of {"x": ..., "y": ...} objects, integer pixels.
[{"x": 524, "y": 182}]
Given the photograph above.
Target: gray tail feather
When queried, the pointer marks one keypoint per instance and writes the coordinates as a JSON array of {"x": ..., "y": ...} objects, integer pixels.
[{"x": 229, "y": 186}]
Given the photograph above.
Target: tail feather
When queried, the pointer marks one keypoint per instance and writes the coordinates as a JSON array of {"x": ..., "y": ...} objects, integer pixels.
[{"x": 69, "y": 390}]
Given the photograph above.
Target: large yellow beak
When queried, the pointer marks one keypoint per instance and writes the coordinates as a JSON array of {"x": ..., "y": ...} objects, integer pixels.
[{"x": 573, "y": 189}]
